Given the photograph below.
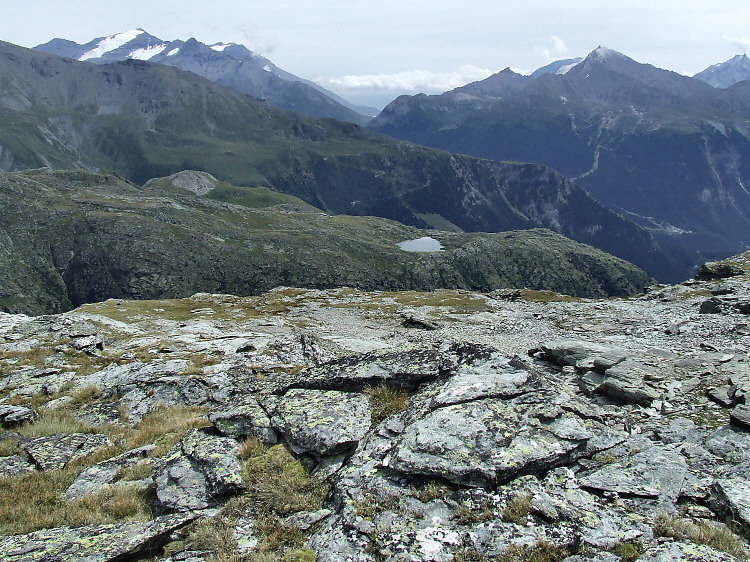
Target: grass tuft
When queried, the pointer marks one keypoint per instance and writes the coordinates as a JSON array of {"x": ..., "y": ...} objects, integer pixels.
[
  {"x": 518, "y": 509},
  {"x": 709, "y": 533},
  {"x": 386, "y": 401}
]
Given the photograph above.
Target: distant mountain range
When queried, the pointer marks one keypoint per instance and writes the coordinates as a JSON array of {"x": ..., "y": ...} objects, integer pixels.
[
  {"x": 148, "y": 120},
  {"x": 726, "y": 74},
  {"x": 229, "y": 64},
  {"x": 667, "y": 151}
]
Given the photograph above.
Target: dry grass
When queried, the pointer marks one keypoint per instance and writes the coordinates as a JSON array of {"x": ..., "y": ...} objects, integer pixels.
[
  {"x": 199, "y": 361},
  {"x": 34, "y": 501},
  {"x": 165, "y": 426},
  {"x": 86, "y": 395},
  {"x": 50, "y": 422},
  {"x": 280, "y": 484},
  {"x": 628, "y": 551},
  {"x": 710, "y": 533},
  {"x": 543, "y": 551},
  {"x": 9, "y": 447},
  {"x": 518, "y": 509},
  {"x": 430, "y": 491},
  {"x": 469, "y": 515},
  {"x": 386, "y": 401},
  {"x": 369, "y": 505}
]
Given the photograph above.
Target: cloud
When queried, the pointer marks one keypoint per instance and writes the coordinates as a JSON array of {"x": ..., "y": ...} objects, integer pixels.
[
  {"x": 556, "y": 48},
  {"x": 741, "y": 43},
  {"x": 411, "y": 80}
]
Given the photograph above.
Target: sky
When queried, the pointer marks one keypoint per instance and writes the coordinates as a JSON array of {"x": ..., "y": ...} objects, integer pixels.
[{"x": 371, "y": 51}]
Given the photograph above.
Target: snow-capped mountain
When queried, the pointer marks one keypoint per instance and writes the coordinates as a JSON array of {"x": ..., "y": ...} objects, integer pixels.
[
  {"x": 728, "y": 73},
  {"x": 229, "y": 64}
]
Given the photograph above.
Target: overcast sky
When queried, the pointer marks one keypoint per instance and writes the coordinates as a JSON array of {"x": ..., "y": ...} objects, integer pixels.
[{"x": 370, "y": 51}]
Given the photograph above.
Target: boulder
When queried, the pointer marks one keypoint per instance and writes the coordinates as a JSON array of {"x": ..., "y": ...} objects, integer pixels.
[
  {"x": 731, "y": 498},
  {"x": 740, "y": 416},
  {"x": 94, "y": 478},
  {"x": 14, "y": 465},
  {"x": 718, "y": 270},
  {"x": 55, "y": 451},
  {"x": 200, "y": 469},
  {"x": 242, "y": 415},
  {"x": 93, "y": 543},
  {"x": 625, "y": 382},
  {"x": 571, "y": 351},
  {"x": 322, "y": 422},
  {"x": 16, "y": 415},
  {"x": 484, "y": 442},
  {"x": 656, "y": 472}
]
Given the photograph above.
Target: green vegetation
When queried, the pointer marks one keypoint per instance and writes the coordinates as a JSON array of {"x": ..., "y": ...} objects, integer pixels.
[
  {"x": 386, "y": 401},
  {"x": 518, "y": 509}
]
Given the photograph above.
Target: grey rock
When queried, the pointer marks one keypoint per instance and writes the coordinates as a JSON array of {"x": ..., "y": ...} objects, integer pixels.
[
  {"x": 55, "y": 451},
  {"x": 494, "y": 377},
  {"x": 626, "y": 382},
  {"x": 571, "y": 351},
  {"x": 14, "y": 465},
  {"x": 92, "y": 345},
  {"x": 322, "y": 422},
  {"x": 93, "y": 543},
  {"x": 654, "y": 473},
  {"x": 731, "y": 497},
  {"x": 484, "y": 442},
  {"x": 198, "y": 471},
  {"x": 718, "y": 270},
  {"x": 306, "y": 519},
  {"x": 242, "y": 415},
  {"x": 94, "y": 478},
  {"x": 99, "y": 413},
  {"x": 16, "y": 415},
  {"x": 740, "y": 416},
  {"x": 684, "y": 552}
]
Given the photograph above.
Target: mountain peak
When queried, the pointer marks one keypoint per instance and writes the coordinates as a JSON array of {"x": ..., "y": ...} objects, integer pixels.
[
  {"x": 605, "y": 54},
  {"x": 727, "y": 73},
  {"x": 107, "y": 44}
]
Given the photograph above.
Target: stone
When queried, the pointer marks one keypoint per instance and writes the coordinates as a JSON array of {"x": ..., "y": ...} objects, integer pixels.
[
  {"x": 99, "y": 476},
  {"x": 93, "y": 543},
  {"x": 15, "y": 465},
  {"x": 55, "y": 451},
  {"x": 654, "y": 473},
  {"x": 571, "y": 351},
  {"x": 740, "y": 416},
  {"x": 625, "y": 382},
  {"x": 731, "y": 497},
  {"x": 494, "y": 377},
  {"x": 99, "y": 413},
  {"x": 322, "y": 422},
  {"x": 199, "y": 470},
  {"x": 419, "y": 323},
  {"x": 405, "y": 367},
  {"x": 241, "y": 416},
  {"x": 718, "y": 270},
  {"x": 684, "y": 552},
  {"x": 484, "y": 442},
  {"x": 16, "y": 415}
]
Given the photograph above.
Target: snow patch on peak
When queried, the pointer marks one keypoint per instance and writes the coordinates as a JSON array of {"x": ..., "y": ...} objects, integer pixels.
[
  {"x": 267, "y": 68},
  {"x": 567, "y": 67},
  {"x": 111, "y": 43},
  {"x": 604, "y": 54},
  {"x": 147, "y": 53},
  {"x": 173, "y": 52},
  {"x": 220, "y": 46}
]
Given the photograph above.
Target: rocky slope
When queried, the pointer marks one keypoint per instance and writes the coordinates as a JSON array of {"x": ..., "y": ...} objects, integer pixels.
[
  {"x": 67, "y": 238},
  {"x": 224, "y": 63},
  {"x": 727, "y": 73},
  {"x": 670, "y": 152},
  {"x": 145, "y": 120},
  {"x": 344, "y": 425}
]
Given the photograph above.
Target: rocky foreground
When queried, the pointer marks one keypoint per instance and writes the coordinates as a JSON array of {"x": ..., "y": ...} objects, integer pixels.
[{"x": 346, "y": 425}]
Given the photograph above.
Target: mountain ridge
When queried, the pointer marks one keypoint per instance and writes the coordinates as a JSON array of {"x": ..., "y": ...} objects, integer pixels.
[
  {"x": 229, "y": 64},
  {"x": 146, "y": 120}
]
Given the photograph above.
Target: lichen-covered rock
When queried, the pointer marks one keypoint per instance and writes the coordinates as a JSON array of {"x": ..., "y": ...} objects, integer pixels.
[
  {"x": 242, "y": 416},
  {"x": 16, "y": 415},
  {"x": 99, "y": 413},
  {"x": 94, "y": 478},
  {"x": 494, "y": 377},
  {"x": 731, "y": 497},
  {"x": 483, "y": 442},
  {"x": 740, "y": 416},
  {"x": 323, "y": 422},
  {"x": 571, "y": 351},
  {"x": 198, "y": 471},
  {"x": 654, "y": 473},
  {"x": 14, "y": 465},
  {"x": 93, "y": 543},
  {"x": 406, "y": 368},
  {"x": 684, "y": 552},
  {"x": 55, "y": 451}
]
